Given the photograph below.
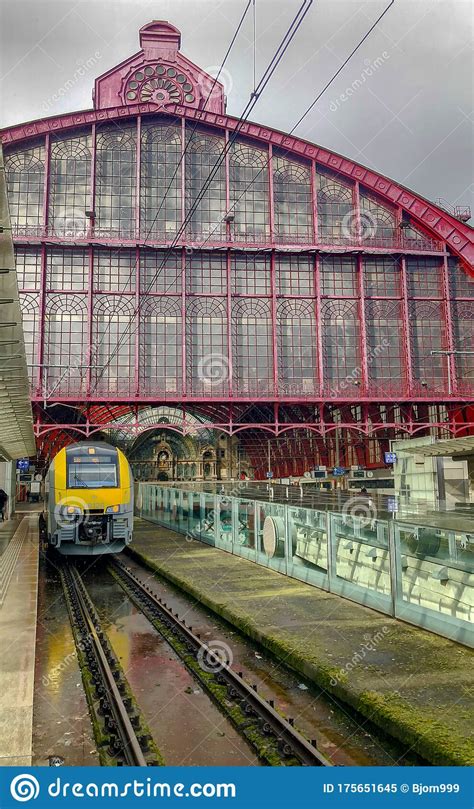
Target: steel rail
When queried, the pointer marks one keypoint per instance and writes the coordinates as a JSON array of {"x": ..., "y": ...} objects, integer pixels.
[
  {"x": 290, "y": 740},
  {"x": 131, "y": 748}
]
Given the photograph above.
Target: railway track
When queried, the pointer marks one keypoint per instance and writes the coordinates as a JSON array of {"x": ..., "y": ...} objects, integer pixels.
[
  {"x": 121, "y": 735},
  {"x": 268, "y": 731}
]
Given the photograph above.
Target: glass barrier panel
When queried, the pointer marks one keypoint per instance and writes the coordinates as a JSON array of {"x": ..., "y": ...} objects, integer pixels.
[
  {"x": 174, "y": 509},
  {"x": 224, "y": 517},
  {"x": 184, "y": 512},
  {"x": 360, "y": 560},
  {"x": 308, "y": 550},
  {"x": 207, "y": 526},
  {"x": 435, "y": 570},
  {"x": 244, "y": 529},
  {"x": 271, "y": 527}
]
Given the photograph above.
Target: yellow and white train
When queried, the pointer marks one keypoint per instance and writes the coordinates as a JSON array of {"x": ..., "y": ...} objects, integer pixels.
[{"x": 88, "y": 501}]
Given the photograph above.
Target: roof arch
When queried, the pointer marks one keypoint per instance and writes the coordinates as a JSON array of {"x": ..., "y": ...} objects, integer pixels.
[{"x": 459, "y": 236}]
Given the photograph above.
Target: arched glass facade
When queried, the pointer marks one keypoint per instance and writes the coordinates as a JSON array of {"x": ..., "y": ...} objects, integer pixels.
[{"x": 251, "y": 278}]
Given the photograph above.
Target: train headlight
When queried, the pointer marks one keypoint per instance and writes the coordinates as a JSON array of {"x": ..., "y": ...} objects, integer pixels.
[
  {"x": 70, "y": 511},
  {"x": 113, "y": 509}
]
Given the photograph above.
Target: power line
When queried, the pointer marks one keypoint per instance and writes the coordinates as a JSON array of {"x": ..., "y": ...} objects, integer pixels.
[{"x": 336, "y": 74}]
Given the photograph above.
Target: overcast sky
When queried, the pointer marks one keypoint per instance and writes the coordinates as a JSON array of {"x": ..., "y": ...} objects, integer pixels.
[{"x": 411, "y": 119}]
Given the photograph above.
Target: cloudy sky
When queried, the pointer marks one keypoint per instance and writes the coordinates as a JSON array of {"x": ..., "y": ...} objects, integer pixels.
[{"x": 411, "y": 119}]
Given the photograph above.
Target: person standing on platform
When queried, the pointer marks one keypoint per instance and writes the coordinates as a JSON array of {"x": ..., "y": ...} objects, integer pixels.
[{"x": 3, "y": 503}]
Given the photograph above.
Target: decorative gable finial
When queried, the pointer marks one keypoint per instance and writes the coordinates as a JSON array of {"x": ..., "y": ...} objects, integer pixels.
[{"x": 159, "y": 74}]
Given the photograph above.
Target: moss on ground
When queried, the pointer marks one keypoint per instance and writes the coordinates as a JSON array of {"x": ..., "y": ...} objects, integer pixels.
[{"x": 428, "y": 737}]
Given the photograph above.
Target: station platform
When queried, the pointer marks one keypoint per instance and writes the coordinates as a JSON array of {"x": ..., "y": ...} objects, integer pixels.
[
  {"x": 19, "y": 549},
  {"x": 414, "y": 685}
]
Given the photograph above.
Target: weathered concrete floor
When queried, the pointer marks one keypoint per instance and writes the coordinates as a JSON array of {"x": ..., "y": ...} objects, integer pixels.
[
  {"x": 18, "y": 605},
  {"x": 413, "y": 684}
]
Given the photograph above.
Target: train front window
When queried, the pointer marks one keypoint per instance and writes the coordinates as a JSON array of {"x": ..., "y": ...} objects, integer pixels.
[{"x": 92, "y": 471}]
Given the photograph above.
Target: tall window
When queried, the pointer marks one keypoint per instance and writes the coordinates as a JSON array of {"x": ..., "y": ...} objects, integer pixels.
[
  {"x": 249, "y": 192},
  {"x": 341, "y": 347},
  {"x": 251, "y": 274},
  {"x": 161, "y": 271},
  {"x": 28, "y": 267},
  {"x": 382, "y": 277},
  {"x": 115, "y": 270},
  {"x": 206, "y": 273},
  {"x": 296, "y": 347},
  {"x": 67, "y": 269},
  {"x": 294, "y": 274},
  {"x": 203, "y": 158},
  {"x": 160, "y": 346},
  {"x": 69, "y": 187},
  {"x": 428, "y": 333},
  {"x": 24, "y": 171},
  {"x": 206, "y": 341},
  {"x": 66, "y": 350},
  {"x": 292, "y": 200},
  {"x": 463, "y": 328},
  {"x": 160, "y": 203},
  {"x": 461, "y": 284},
  {"x": 29, "y": 305},
  {"x": 424, "y": 277},
  {"x": 339, "y": 276},
  {"x": 384, "y": 346},
  {"x": 116, "y": 182},
  {"x": 253, "y": 357},
  {"x": 336, "y": 214},
  {"x": 114, "y": 341}
]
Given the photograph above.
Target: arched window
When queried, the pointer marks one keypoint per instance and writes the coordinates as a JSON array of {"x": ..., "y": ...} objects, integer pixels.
[
  {"x": 384, "y": 346},
  {"x": 69, "y": 187},
  {"x": 24, "y": 173},
  {"x": 66, "y": 344},
  {"x": 29, "y": 305},
  {"x": 292, "y": 200},
  {"x": 160, "y": 195},
  {"x": 336, "y": 213},
  {"x": 253, "y": 343},
  {"x": 203, "y": 158},
  {"x": 377, "y": 221},
  {"x": 296, "y": 347},
  {"x": 463, "y": 328},
  {"x": 249, "y": 193},
  {"x": 116, "y": 182},
  {"x": 160, "y": 346},
  {"x": 113, "y": 346},
  {"x": 206, "y": 345},
  {"x": 341, "y": 347}
]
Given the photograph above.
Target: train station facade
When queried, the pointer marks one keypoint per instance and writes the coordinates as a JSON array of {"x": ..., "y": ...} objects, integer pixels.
[{"x": 222, "y": 298}]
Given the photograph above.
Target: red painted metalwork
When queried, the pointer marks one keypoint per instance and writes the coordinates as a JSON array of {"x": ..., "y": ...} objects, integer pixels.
[{"x": 243, "y": 284}]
